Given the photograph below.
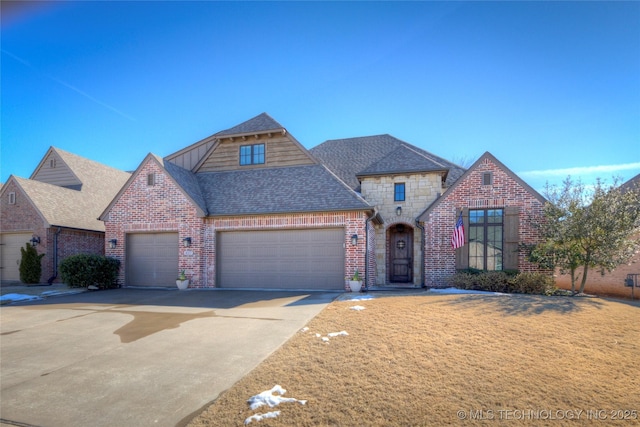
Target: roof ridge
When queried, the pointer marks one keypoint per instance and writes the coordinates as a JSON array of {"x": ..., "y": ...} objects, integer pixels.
[{"x": 261, "y": 123}]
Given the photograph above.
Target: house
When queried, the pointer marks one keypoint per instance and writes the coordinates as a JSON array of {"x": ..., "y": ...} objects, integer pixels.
[
  {"x": 250, "y": 207},
  {"x": 610, "y": 283},
  {"x": 56, "y": 210}
]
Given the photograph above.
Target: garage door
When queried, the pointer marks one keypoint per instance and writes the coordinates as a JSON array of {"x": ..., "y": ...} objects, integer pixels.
[
  {"x": 152, "y": 259},
  {"x": 10, "y": 255},
  {"x": 281, "y": 259}
]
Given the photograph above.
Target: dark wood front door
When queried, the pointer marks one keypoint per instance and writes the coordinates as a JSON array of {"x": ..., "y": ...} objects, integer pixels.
[{"x": 401, "y": 251}]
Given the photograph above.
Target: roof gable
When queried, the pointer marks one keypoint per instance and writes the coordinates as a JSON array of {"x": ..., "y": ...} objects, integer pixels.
[
  {"x": 486, "y": 157},
  {"x": 71, "y": 191},
  {"x": 220, "y": 151},
  {"x": 182, "y": 178},
  {"x": 54, "y": 169}
]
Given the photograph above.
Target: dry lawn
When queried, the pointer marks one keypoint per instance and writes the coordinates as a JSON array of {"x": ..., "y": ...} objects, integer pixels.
[{"x": 419, "y": 360}]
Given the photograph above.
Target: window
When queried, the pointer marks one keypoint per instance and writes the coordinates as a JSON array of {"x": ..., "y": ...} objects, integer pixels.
[
  {"x": 252, "y": 154},
  {"x": 12, "y": 198},
  {"x": 151, "y": 179},
  {"x": 398, "y": 192},
  {"x": 485, "y": 239},
  {"x": 52, "y": 163},
  {"x": 487, "y": 178}
]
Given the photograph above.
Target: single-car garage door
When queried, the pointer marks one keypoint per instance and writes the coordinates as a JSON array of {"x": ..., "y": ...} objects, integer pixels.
[
  {"x": 10, "y": 255},
  {"x": 152, "y": 259},
  {"x": 281, "y": 259}
]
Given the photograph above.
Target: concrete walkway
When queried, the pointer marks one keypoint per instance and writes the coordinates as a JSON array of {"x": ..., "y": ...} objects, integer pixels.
[{"x": 138, "y": 357}]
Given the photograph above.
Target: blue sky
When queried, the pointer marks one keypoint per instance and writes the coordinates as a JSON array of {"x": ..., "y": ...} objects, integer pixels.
[{"x": 550, "y": 88}]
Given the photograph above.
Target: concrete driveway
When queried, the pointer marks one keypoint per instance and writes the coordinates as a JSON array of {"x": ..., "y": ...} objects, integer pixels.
[{"x": 138, "y": 357}]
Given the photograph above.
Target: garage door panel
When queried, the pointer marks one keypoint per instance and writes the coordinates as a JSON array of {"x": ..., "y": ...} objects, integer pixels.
[
  {"x": 152, "y": 259},
  {"x": 10, "y": 255},
  {"x": 281, "y": 259}
]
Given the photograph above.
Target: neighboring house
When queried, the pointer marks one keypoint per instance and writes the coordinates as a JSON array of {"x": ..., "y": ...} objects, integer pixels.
[
  {"x": 251, "y": 207},
  {"x": 610, "y": 283},
  {"x": 56, "y": 210}
]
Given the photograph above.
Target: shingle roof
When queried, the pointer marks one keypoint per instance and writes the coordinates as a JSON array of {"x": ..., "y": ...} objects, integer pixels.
[
  {"x": 277, "y": 190},
  {"x": 403, "y": 159},
  {"x": 351, "y": 156},
  {"x": 63, "y": 207},
  {"x": 99, "y": 180},
  {"x": 188, "y": 181},
  {"x": 261, "y": 123},
  {"x": 76, "y": 208},
  {"x": 631, "y": 184}
]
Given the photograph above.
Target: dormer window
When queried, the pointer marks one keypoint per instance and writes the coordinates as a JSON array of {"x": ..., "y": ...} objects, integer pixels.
[{"x": 252, "y": 154}]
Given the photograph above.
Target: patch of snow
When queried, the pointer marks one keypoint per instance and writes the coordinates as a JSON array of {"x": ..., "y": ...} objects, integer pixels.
[
  {"x": 318, "y": 335},
  {"x": 325, "y": 339},
  {"x": 462, "y": 291},
  {"x": 357, "y": 308},
  {"x": 305, "y": 329},
  {"x": 260, "y": 417},
  {"x": 335, "y": 334},
  {"x": 269, "y": 398},
  {"x": 358, "y": 297},
  {"x": 18, "y": 297}
]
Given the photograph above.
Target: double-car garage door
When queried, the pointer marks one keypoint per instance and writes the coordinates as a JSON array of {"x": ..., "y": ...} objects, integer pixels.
[{"x": 281, "y": 259}]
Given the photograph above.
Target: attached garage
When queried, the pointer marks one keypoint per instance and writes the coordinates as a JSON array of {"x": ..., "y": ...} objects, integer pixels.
[
  {"x": 281, "y": 259},
  {"x": 10, "y": 255},
  {"x": 152, "y": 259}
]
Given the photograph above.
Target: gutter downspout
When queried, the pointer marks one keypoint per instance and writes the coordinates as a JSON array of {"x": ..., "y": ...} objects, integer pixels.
[
  {"x": 55, "y": 257},
  {"x": 422, "y": 284}
]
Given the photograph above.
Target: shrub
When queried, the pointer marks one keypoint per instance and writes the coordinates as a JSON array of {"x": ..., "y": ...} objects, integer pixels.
[
  {"x": 534, "y": 283},
  {"x": 83, "y": 270},
  {"x": 30, "y": 265},
  {"x": 502, "y": 281}
]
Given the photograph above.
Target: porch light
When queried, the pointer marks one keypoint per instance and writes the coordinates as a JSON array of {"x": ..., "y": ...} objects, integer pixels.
[
  {"x": 399, "y": 210},
  {"x": 186, "y": 242},
  {"x": 34, "y": 241},
  {"x": 354, "y": 239},
  {"x": 113, "y": 243}
]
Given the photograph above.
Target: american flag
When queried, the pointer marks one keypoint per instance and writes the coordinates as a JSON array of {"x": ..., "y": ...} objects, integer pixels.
[{"x": 457, "y": 238}]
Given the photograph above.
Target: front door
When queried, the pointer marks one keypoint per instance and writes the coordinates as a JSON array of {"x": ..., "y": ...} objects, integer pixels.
[{"x": 400, "y": 253}]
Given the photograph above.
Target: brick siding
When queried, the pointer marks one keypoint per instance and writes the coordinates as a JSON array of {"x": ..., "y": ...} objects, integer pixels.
[
  {"x": 440, "y": 260},
  {"x": 164, "y": 207}
]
